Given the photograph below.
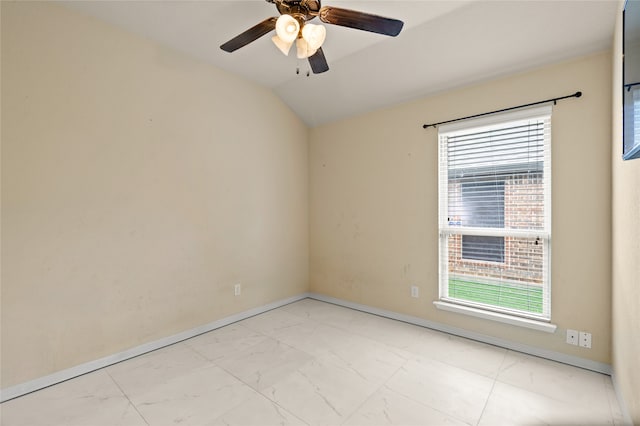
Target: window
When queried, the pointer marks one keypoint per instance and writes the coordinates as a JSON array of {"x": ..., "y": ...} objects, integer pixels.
[
  {"x": 495, "y": 222},
  {"x": 631, "y": 122},
  {"x": 636, "y": 115}
]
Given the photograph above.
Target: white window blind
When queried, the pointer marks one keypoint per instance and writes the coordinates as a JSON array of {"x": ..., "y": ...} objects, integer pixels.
[{"x": 495, "y": 221}]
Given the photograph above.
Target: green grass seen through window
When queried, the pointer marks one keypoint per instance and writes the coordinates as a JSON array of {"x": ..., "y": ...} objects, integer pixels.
[{"x": 523, "y": 298}]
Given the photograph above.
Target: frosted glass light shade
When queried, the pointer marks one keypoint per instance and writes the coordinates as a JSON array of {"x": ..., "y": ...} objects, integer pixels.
[
  {"x": 282, "y": 45},
  {"x": 314, "y": 35},
  {"x": 287, "y": 28},
  {"x": 303, "y": 49}
]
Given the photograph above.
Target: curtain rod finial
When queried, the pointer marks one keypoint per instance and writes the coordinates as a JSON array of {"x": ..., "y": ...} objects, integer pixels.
[{"x": 578, "y": 94}]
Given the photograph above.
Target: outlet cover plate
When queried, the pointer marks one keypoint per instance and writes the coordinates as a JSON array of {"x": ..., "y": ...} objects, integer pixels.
[
  {"x": 415, "y": 291},
  {"x": 237, "y": 290},
  {"x": 585, "y": 339},
  {"x": 572, "y": 337}
]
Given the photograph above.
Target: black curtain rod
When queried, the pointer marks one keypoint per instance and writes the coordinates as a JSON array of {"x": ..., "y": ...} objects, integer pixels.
[
  {"x": 554, "y": 100},
  {"x": 629, "y": 86}
]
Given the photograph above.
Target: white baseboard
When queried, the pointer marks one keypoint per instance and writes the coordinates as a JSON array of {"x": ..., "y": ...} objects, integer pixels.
[
  {"x": 61, "y": 376},
  {"x": 626, "y": 417},
  {"x": 518, "y": 347}
]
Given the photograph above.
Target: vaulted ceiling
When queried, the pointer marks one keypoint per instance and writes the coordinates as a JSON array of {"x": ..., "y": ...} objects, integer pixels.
[{"x": 444, "y": 44}]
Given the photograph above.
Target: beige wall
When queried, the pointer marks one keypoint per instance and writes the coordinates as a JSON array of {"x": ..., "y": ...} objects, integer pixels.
[
  {"x": 625, "y": 253},
  {"x": 137, "y": 187},
  {"x": 374, "y": 204}
]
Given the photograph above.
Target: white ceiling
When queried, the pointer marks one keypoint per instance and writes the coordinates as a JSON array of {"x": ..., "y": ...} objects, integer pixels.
[{"x": 444, "y": 44}]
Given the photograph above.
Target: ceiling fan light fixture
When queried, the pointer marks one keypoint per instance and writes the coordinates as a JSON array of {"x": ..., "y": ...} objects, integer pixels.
[
  {"x": 287, "y": 28},
  {"x": 282, "y": 45},
  {"x": 314, "y": 35}
]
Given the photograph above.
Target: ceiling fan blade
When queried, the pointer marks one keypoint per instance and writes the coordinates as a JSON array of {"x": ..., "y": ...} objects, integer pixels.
[
  {"x": 318, "y": 62},
  {"x": 360, "y": 20},
  {"x": 250, "y": 35}
]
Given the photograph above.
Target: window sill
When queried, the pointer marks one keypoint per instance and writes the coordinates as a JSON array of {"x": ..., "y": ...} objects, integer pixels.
[{"x": 495, "y": 316}]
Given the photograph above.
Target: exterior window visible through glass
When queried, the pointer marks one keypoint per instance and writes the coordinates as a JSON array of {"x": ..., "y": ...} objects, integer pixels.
[
  {"x": 488, "y": 249},
  {"x": 483, "y": 206}
]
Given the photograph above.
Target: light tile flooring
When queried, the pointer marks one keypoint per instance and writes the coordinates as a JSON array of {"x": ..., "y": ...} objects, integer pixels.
[{"x": 314, "y": 363}]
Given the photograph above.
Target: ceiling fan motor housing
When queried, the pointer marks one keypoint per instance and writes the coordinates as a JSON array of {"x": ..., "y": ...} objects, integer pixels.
[{"x": 302, "y": 10}]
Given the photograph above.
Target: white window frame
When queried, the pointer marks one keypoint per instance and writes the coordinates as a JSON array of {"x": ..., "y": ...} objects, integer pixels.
[{"x": 527, "y": 319}]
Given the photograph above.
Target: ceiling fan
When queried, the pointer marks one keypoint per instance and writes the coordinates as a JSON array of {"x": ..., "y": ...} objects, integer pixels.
[{"x": 292, "y": 25}]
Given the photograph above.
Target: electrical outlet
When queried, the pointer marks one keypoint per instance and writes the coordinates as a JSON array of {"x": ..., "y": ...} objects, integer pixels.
[
  {"x": 415, "y": 291},
  {"x": 585, "y": 339},
  {"x": 237, "y": 290},
  {"x": 572, "y": 337}
]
